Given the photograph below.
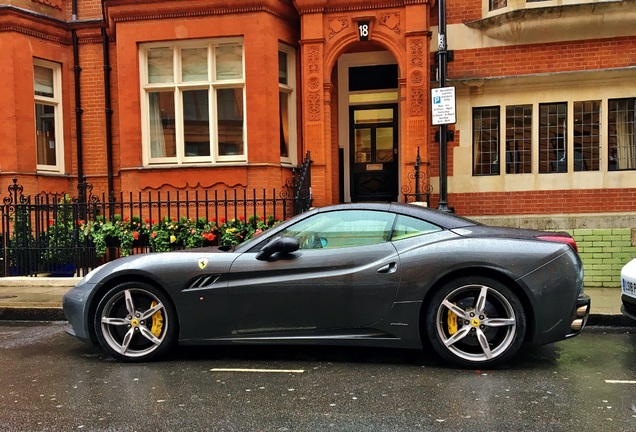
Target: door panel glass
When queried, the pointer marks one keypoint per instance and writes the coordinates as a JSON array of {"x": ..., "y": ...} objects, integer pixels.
[
  {"x": 363, "y": 145},
  {"x": 383, "y": 115},
  {"x": 384, "y": 144}
]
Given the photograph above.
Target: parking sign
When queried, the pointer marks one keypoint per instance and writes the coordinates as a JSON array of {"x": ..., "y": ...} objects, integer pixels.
[{"x": 443, "y": 105}]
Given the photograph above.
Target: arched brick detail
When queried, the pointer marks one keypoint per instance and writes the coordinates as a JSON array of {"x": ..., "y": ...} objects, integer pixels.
[{"x": 330, "y": 32}]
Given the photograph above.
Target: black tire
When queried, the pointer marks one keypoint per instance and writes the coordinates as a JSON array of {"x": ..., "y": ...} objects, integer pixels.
[
  {"x": 485, "y": 328},
  {"x": 135, "y": 322}
]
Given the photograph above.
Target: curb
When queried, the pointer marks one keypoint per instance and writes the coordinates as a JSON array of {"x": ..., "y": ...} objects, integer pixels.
[{"x": 31, "y": 314}]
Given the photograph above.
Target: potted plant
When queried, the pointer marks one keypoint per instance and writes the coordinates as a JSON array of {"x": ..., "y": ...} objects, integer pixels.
[
  {"x": 21, "y": 247},
  {"x": 62, "y": 239}
]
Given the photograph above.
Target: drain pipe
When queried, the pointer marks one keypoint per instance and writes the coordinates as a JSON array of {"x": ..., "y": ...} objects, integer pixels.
[
  {"x": 109, "y": 116},
  {"x": 78, "y": 105}
]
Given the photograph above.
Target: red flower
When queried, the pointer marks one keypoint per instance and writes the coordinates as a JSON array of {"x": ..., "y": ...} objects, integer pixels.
[
  {"x": 241, "y": 218},
  {"x": 135, "y": 235},
  {"x": 154, "y": 234},
  {"x": 126, "y": 219},
  {"x": 80, "y": 222},
  {"x": 147, "y": 220},
  {"x": 208, "y": 236},
  {"x": 51, "y": 222},
  {"x": 222, "y": 220}
]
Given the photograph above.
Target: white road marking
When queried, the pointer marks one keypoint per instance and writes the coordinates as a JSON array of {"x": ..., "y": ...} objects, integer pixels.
[
  {"x": 258, "y": 370},
  {"x": 620, "y": 382}
]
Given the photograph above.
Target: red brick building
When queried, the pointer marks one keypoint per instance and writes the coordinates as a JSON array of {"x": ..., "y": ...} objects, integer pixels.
[{"x": 218, "y": 94}]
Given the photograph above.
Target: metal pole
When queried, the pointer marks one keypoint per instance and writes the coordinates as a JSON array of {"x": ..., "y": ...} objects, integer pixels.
[{"x": 443, "y": 129}]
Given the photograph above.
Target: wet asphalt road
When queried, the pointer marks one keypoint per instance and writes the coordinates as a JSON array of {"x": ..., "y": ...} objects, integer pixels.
[{"x": 51, "y": 382}]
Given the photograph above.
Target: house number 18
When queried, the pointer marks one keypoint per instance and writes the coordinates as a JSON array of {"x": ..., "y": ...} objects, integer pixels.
[{"x": 363, "y": 30}]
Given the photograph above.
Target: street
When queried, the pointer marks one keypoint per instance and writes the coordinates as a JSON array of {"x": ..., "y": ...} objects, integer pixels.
[{"x": 51, "y": 382}]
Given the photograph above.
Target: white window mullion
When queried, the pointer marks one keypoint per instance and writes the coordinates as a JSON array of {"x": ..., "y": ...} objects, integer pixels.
[
  {"x": 178, "y": 101},
  {"x": 214, "y": 146}
]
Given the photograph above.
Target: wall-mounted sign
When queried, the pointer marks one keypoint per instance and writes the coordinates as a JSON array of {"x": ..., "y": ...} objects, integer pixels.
[
  {"x": 443, "y": 105},
  {"x": 363, "y": 30}
]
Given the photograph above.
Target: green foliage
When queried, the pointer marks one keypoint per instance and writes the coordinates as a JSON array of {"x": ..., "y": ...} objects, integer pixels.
[
  {"x": 61, "y": 235},
  {"x": 21, "y": 241},
  {"x": 170, "y": 233},
  {"x": 238, "y": 230}
]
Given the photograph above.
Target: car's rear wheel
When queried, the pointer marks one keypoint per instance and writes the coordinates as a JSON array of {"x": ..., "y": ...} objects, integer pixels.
[
  {"x": 135, "y": 322},
  {"x": 475, "y": 322}
]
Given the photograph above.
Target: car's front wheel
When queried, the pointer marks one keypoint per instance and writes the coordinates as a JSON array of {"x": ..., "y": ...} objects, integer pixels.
[
  {"x": 475, "y": 322},
  {"x": 135, "y": 321}
]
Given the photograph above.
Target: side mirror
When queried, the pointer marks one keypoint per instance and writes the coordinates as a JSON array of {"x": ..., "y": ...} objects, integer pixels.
[{"x": 280, "y": 244}]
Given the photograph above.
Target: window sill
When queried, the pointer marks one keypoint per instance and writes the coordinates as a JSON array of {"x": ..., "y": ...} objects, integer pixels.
[{"x": 550, "y": 20}]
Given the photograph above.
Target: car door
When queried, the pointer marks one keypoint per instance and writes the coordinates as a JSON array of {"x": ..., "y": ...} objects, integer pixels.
[{"x": 345, "y": 275}]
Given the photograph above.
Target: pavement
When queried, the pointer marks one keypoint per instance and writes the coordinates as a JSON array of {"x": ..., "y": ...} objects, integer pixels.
[{"x": 40, "y": 299}]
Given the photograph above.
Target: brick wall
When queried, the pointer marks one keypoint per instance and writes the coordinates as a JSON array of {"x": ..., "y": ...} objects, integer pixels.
[
  {"x": 542, "y": 202},
  {"x": 543, "y": 58},
  {"x": 604, "y": 252}
]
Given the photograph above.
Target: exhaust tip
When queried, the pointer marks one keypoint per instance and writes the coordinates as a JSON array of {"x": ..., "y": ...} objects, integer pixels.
[
  {"x": 577, "y": 324},
  {"x": 582, "y": 311}
]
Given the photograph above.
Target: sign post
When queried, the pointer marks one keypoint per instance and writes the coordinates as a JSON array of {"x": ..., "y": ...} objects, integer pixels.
[{"x": 441, "y": 109}]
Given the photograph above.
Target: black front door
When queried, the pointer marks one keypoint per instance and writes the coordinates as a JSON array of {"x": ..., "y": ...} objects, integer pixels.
[{"x": 374, "y": 154}]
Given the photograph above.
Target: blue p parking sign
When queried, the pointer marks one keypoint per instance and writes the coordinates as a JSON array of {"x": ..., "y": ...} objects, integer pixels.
[{"x": 443, "y": 105}]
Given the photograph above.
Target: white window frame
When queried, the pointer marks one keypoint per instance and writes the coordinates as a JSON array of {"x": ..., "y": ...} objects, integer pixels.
[
  {"x": 178, "y": 87},
  {"x": 56, "y": 103},
  {"x": 290, "y": 90}
]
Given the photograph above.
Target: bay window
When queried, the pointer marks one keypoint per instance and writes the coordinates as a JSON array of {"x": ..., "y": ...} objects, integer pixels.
[{"x": 193, "y": 102}]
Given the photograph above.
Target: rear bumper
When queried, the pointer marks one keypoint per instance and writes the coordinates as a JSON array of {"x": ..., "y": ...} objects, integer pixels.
[{"x": 580, "y": 316}]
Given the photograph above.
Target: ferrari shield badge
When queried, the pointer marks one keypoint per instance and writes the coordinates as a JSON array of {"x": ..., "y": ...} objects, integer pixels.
[{"x": 203, "y": 262}]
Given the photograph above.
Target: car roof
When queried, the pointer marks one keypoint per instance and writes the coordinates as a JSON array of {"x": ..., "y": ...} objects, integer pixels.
[{"x": 443, "y": 219}]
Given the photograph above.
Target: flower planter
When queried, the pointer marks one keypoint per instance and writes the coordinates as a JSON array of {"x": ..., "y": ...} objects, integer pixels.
[{"x": 63, "y": 270}]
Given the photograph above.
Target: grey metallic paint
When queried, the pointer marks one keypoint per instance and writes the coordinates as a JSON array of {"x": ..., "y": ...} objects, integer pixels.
[{"x": 365, "y": 295}]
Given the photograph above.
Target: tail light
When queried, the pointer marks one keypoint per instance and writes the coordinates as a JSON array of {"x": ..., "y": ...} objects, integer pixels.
[{"x": 561, "y": 239}]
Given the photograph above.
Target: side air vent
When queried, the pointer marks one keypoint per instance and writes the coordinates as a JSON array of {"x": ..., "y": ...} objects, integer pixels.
[{"x": 204, "y": 281}]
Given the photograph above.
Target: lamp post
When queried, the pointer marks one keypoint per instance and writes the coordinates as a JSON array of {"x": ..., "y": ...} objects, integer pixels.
[{"x": 442, "y": 54}]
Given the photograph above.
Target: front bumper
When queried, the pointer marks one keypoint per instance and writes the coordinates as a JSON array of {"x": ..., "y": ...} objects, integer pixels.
[
  {"x": 75, "y": 305},
  {"x": 628, "y": 308}
]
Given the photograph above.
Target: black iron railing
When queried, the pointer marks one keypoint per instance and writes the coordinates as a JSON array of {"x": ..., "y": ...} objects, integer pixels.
[
  {"x": 57, "y": 234},
  {"x": 418, "y": 188}
]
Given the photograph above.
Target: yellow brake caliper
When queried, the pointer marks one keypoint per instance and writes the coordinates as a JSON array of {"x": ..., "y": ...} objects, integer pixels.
[
  {"x": 452, "y": 322},
  {"x": 157, "y": 321}
]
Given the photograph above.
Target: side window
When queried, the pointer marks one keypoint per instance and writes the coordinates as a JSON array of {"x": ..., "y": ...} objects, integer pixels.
[
  {"x": 406, "y": 227},
  {"x": 345, "y": 228}
]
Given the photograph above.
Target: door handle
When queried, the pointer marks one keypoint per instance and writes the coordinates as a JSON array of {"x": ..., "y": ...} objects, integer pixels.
[{"x": 388, "y": 268}]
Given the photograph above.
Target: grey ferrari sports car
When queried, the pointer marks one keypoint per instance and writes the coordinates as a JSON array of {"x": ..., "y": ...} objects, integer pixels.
[{"x": 381, "y": 275}]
